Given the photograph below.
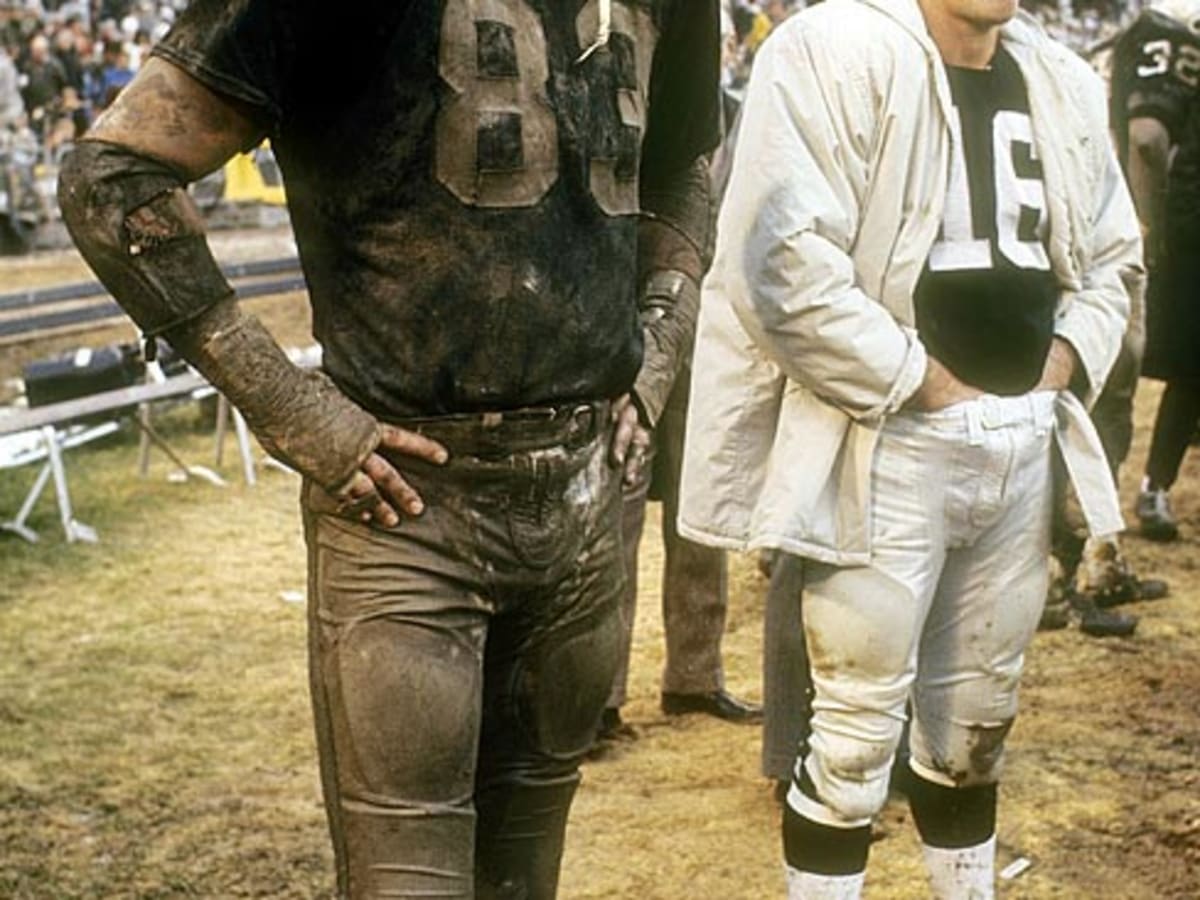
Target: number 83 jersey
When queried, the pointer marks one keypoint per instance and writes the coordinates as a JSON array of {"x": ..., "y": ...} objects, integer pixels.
[{"x": 463, "y": 178}]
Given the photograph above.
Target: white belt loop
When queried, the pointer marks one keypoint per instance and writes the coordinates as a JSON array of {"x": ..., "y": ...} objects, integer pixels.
[
  {"x": 1041, "y": 423},
  {"x": 973, "y": 415}
]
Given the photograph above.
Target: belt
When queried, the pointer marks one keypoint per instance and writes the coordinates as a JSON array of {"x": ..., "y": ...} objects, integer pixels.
[
  {"x": 1087, "y": 466},
  {"x": 498, "y": 434}
]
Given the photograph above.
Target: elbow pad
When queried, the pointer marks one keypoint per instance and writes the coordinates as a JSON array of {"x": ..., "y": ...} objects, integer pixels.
[
  {"x": 133, "y": 221},
  {"x": 139, "y": 230}
]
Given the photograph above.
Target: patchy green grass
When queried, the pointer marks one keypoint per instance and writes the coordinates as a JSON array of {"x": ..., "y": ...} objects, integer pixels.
[
  {"x": 155, "y": 738},
  {"x": 154, "y": 727}
]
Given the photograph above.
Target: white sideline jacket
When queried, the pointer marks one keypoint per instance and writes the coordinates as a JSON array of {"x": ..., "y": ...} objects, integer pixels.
[{"x": 805, "y": 341}]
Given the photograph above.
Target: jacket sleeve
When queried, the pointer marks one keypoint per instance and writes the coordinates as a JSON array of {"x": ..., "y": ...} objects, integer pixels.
[
  {"x": 789, "y": 222},
  {"x": 1094, "y": 317}
]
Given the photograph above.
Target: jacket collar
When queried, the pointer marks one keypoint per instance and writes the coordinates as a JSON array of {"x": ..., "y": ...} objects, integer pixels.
[{"x": 1025, "y": 38}]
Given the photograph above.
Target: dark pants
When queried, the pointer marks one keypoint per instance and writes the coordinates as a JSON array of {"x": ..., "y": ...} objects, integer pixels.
[
  {"x": 1113, "y": 411},
  {"x": 694, "y": 579},
  {"x": 1174, "y": 428},
  {"x": 787, "y": 683},
  {"x": 460, "y": 662}
]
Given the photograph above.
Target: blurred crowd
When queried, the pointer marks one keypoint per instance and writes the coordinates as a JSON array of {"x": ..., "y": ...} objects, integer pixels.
[
  {"x": 63, "y": 61},
  {"x": 1080, "y": 24}
]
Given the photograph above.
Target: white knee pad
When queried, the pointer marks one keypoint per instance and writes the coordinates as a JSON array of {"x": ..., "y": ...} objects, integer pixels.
[
  {"x": 850, "y": 777},
  {"x": 961, "y": 757}
]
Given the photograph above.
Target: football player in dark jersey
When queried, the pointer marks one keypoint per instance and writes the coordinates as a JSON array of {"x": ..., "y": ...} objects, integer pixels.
[
  {"x": 498, "y": 204},
  {"x": 1156, "y": 94},
  {"x": 1095, "y": 575}
]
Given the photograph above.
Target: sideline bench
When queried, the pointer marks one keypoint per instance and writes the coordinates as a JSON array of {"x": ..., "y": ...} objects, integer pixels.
[{"x": 56, "y": 428}]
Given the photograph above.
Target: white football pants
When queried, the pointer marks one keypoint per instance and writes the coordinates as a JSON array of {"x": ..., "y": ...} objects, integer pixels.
[{"x": 960, "y": 525}]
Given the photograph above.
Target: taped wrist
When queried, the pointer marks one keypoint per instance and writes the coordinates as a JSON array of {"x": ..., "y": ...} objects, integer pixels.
[
  {"x": 299, "y": 415},
  {"x": 138, "y": 229},
  {"x": 669, "y": 304}
]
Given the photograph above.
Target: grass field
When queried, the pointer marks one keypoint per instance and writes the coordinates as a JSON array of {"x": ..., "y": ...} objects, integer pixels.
[{"x": 155, "y": 739}]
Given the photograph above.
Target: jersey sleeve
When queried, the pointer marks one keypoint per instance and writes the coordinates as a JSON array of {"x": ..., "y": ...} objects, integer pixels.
[
  {"x": 684, "y": 119},
  {"x": 1160, "y": 66},
  {"x": 241, "y": 49}
]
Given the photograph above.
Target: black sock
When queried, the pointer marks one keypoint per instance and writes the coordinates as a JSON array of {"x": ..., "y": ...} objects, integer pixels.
[
  {"x": 822, "y": 849},
  {"x": 952, "y": 818}
]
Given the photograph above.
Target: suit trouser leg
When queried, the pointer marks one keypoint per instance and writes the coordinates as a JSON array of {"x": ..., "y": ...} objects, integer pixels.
[
  {"x": 1174, "y": 427},
  {"x": 787, "y": 687},
  {"x": 695, "y": 579}
]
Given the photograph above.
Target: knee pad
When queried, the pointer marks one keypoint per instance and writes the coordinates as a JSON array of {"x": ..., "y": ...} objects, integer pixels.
[
  {"x": 850, "y": 775},
  {"x": 961, "y": 755},
  {"x": 561, "y": 688}
]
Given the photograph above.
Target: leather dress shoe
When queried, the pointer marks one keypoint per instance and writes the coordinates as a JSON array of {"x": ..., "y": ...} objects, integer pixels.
[{"x": 719, "y": 703}]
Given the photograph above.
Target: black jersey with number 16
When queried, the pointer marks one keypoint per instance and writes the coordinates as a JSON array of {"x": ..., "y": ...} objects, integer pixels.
[
  {"x": 463, "y": 178},
  {"x": 986, "y": 299}
]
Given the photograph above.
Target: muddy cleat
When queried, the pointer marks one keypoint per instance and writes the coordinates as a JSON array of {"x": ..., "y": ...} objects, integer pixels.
[
  {"x": 1106, "y": 577},
  {"x": 1056, "y": 615},
  {"x": 719, "y": 703},
  {"x": 1131, "y": 589},
  {"x": 1154, "y": 515},
  {"x": 614, "y": 729},
  {"x": 1097, "y": 622}
]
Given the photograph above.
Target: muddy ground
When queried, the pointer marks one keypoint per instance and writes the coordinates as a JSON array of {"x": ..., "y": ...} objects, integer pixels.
[{"x": 155, "y": 739}]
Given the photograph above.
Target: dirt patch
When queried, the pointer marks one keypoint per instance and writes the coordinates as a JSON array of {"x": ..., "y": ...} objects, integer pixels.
[{"x": 155, "y": 739}]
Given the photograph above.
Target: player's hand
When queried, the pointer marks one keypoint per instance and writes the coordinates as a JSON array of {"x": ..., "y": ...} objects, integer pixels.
[
  {"x": 940, "y": 388},
  {"x": 1059, "y": 367},
  {"x": 630, "y": 441},
  {"x": 377, "y": 491}
]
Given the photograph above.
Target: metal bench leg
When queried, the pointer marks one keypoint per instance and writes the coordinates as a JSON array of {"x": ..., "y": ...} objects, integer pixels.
[
  {"x": 222, "y": 427},
  {"x": 74, "y": 531},
  {"x": 245, "y": 449},
  {"x": 143, "y": 415},
  {"x": 17, "y": 525}
]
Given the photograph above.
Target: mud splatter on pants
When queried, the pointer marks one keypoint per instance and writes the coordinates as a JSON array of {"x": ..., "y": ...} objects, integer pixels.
[
  {"x": 960, "y": 522},
  {"x": 460, "y": 661}
]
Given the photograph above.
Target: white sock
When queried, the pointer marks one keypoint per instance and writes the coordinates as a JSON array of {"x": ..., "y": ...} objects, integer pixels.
[
  {"x": 964, "y": 874},
  {"x": 810, "y": 886}
]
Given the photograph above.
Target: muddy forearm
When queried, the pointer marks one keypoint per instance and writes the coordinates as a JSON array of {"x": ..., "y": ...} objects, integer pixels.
[
  {"x": 135, "y": 224},
  {"x": 674, "y": 249}
]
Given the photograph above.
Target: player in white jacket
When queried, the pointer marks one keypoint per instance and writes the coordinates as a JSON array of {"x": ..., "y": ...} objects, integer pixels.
[{"x": 918, "y": 286}]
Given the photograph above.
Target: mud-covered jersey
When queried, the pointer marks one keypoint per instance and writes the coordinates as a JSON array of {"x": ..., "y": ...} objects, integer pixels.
[
  {"x": 985, "y": 301},
  {"x": 463, "y": 180},
  {"x": 1156, "y": 73}
]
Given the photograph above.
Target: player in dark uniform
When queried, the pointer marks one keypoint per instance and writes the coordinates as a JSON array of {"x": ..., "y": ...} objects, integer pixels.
[
  {"x": 1156, "y": 100},
  {"x": 491, "y": 200}
]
